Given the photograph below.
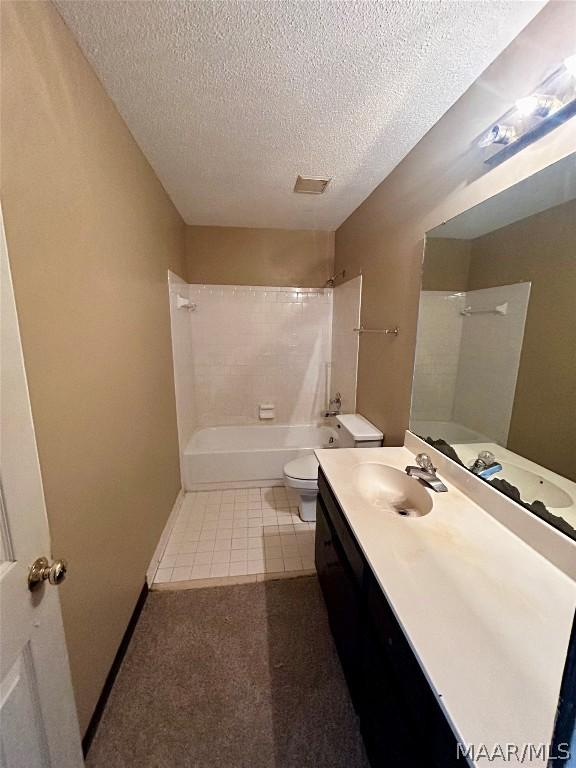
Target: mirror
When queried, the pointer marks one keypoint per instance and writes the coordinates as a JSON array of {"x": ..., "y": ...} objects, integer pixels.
[{"x": 495, "y": 368}]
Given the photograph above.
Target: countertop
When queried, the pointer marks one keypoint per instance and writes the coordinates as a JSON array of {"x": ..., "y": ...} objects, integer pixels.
[{"x": 487, "y": 616}]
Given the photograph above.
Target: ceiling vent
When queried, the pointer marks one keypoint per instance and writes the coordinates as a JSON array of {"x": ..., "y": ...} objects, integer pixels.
[{"x": 310, "y": 186}]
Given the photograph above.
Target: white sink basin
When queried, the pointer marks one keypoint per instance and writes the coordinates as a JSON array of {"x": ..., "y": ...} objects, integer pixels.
[
  {"x": 390, "y": 490},
  {"x": 533, "y": 483},
  {"x": 534, "y": 487}
]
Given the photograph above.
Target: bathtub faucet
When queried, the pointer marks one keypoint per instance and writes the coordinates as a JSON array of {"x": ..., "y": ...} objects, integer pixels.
[{"x": 334, "y": 406}]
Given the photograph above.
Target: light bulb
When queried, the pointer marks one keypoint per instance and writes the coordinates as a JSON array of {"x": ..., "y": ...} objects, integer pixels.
[
  {"x": 570, "y": 64},
  {"x": 527, "y": 106},
  {"x": 498, "y": 134},
  {"x": 537, "y": 105}
]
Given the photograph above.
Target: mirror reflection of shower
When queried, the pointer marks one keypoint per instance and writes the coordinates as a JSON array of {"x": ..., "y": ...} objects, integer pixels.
[{"x": 497, "y": 316}]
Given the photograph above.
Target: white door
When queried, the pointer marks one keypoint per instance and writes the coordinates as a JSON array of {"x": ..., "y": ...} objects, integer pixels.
[{"x": 38, "y": 722}]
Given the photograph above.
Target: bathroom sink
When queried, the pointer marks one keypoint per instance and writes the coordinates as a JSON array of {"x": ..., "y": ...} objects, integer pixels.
[
  {"x": 390, "y": 490},
  {"x": 534, "y": 487}
]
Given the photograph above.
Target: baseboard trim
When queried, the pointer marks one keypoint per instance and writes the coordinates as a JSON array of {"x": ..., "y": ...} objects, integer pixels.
[
  {"x": 164, "y": 536},
  {"x": 113, "y": 673},
  {"x": 229, "y": 581},
  {"x": 232, "y": 484}
]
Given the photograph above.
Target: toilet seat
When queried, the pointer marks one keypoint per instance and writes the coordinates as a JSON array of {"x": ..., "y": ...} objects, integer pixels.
[
  {"x": 302, "y": 474},
  {"x": 304, "y": 469}
]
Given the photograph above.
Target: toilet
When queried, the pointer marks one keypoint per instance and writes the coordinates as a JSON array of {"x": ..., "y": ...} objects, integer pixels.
[{"x": 354, "y": 431}]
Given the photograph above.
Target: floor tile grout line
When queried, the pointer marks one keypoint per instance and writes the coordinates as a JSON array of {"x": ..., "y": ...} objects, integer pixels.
[{"x": 215, "y": 558}]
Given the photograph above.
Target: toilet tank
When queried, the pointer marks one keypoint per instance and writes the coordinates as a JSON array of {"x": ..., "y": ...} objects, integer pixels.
[{"x": 354, "y": 431}]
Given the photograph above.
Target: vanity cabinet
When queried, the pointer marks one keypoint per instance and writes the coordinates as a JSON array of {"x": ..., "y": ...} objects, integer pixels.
[
  {"x": 401, "y": 721},
  {"x": 342, "y": 597}
]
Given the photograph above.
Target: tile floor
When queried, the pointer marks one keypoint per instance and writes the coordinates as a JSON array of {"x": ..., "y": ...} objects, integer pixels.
[{"x": 235, "y": 533}]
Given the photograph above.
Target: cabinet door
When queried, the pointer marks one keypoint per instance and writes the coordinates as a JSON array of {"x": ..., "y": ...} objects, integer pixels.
[
  {"x": 338, "y": 525},
  {"x": 341, "y": 597},
  {"x": 399, "y": 698},
  {"x": 391, "y": 737}
]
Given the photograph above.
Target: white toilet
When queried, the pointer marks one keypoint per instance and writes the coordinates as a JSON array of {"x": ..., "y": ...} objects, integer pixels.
[{"x": 354, "y": 431}]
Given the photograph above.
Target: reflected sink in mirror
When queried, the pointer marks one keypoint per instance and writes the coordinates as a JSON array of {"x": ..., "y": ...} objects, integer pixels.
[
  {"x": 534, "y": 487},
  {"x": 390, "y": 490}
]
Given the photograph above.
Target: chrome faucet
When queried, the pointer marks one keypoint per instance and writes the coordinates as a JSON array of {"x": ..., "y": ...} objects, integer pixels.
[
  {"x": 426, "y": 471},
  {"x": 334, "y": 406},
  {"x": 485, "y": 459}
]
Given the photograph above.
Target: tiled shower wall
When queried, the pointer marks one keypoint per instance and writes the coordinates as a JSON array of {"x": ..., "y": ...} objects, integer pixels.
[
  {"x": 437, "y": 355},
  {"x": 346, "y": 317},
  {"x": 490, "y": 351},
  {"x": 182, "y": 355},
  {"x": 254, "y": 344},
  {"x": 466, "y": 366}
]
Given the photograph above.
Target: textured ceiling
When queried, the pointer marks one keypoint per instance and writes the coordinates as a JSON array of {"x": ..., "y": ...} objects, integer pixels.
[{"x": 231, "y": 100}]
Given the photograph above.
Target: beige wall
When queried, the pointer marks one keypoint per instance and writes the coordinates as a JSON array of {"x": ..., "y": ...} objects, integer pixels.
[
  {"x": 540, "y": 249},
  {"x": 244, "y": 256},
  {"x": 91, "y": 235},
  {"x": 446, "y": 264},
  {"x": 440, "y": 178}
]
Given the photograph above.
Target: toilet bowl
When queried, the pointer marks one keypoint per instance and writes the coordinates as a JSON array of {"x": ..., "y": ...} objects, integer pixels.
[{"x": 302, "y": 474}]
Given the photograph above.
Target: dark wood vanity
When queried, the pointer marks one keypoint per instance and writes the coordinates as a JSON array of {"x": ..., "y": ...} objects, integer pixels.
[{"x": 401, "y": 720}]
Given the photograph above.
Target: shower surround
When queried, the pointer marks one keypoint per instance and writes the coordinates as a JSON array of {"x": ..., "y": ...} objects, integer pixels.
[
  {"x": 255, "y": 345},
  {"x": 242, "y": 346},
  {"x": 467, "y": 364}
]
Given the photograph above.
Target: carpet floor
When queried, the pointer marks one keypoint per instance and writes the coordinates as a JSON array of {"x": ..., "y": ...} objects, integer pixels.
[{"x": 240, "y": 676}]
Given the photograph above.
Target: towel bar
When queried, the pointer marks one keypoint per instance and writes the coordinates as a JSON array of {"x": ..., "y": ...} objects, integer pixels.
[{"x": 386, "y": 331}]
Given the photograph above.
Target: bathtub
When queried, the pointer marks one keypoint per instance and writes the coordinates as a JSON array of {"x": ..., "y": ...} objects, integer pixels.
[
  {"x": 450, "y": 431},
  {"x": 248, "y": 455}
]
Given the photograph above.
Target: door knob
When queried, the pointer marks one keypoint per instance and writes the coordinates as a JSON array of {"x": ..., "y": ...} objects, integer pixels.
[{"x": 41, "y": 570}]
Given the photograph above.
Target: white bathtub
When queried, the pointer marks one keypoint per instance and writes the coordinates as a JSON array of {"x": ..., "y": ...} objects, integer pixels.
[
  {"x": 450, "y": 431},
  {"x": 232, "y": 455}
]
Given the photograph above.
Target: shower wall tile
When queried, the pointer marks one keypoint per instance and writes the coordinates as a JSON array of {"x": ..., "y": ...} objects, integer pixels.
[
  {"x": 437, "y": 355},
  {"x": 255, "y": 344},
  {"x": 184, "y": 384},
  {"x": 346, "y": 317},
  {"x": 489, "y": 360},
  {"x": 466, "y": 366}
]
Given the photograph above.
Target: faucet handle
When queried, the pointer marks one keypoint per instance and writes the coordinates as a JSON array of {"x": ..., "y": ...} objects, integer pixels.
[
  {"x": 335, "y": 401},
  {"x": 487, "y": 457},
  {"x": 425, "y": 462}
]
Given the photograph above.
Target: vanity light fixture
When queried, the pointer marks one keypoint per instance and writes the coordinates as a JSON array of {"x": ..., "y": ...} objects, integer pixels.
[
  {"x": 570, "y": 64},
  {"x": 552, "y": 103}
]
